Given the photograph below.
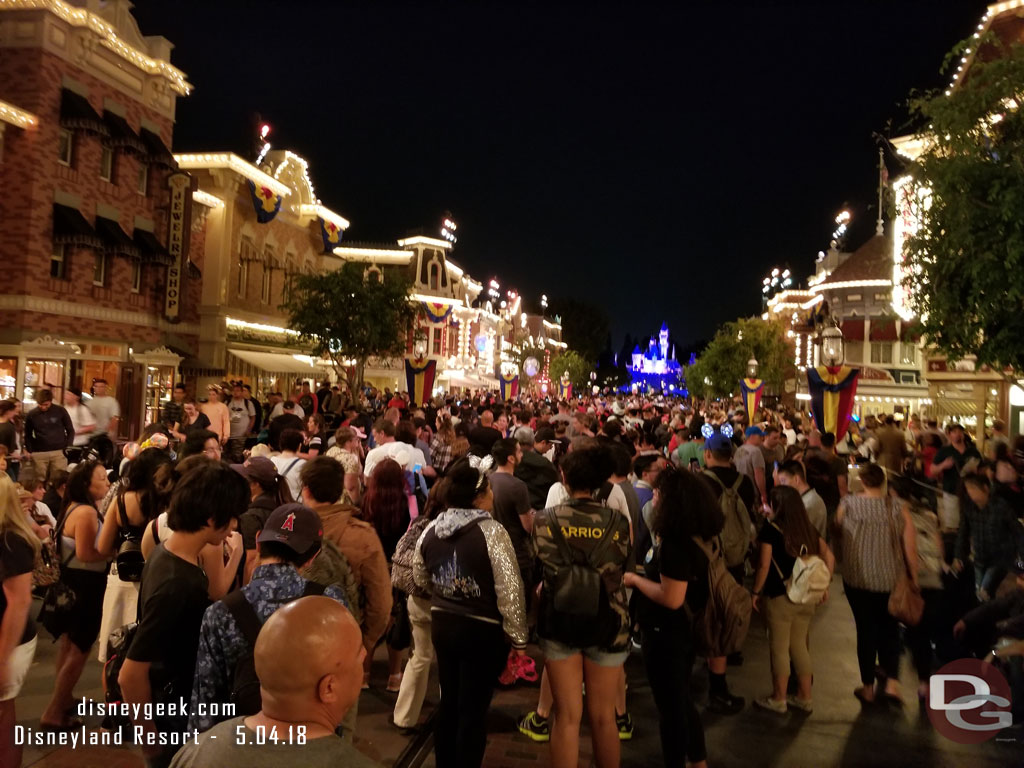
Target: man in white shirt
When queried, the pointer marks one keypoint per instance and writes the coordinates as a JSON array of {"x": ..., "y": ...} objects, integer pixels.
[
  {"x": 387, "y": 448},
  {"x": 81, "y": 417},
  {"x": 792, "y": 473},
  {"x": 105, "y": 408},
  {"x": 289, "y": 464},
  {"x": 278, "y": 409}
]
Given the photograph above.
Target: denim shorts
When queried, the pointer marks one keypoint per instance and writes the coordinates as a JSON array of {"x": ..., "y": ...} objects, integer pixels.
[{"x": 556, "y": 651}]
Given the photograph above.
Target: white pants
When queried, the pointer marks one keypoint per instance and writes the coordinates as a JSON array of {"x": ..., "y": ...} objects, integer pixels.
[
  {"x": 120, "y": 607},
  {"x": 17, "y": 669},
  {"x": 417, "y": 671}
]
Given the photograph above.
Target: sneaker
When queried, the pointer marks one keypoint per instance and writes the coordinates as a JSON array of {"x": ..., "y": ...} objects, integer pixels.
[
  {"x": 804, "y": 705},
  {"x": 535, "y": 727},
  {"x": 726, "y": 704},
  {"x": 625, "y": 724},
  {"x": 767, "y": 702}
]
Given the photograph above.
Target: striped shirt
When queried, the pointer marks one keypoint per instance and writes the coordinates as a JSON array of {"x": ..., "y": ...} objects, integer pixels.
[{"x": 869, "y": 553}]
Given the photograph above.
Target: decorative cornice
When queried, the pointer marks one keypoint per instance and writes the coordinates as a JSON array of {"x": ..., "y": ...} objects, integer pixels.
[{"x": 25, "y": 303}]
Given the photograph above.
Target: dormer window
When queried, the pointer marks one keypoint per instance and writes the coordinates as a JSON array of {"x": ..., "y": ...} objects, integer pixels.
[{"x": 435, "y": 277}]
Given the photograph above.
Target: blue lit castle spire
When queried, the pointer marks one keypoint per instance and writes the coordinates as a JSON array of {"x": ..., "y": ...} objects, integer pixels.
[{"x": 656, "y": 366}]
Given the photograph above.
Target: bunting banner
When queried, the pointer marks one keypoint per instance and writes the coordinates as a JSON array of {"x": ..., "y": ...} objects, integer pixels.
[
  {"x": 751, "y": 390},
  {"x": 832, "y": 391},
  {"x": 265, "y": 201},
  {"x": 565, "y": 390},
  {"x": 509, "y": 386},
  {"x": 331, "y": 235},
  {"x": 419, "y": 379},
  {"x": 437, "y": 313}
]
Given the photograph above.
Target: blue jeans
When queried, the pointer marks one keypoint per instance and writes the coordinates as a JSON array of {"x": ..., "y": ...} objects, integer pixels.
[{"x": 988, "y": 578}]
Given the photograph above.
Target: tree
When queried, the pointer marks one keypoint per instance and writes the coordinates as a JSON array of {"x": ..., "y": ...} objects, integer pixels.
[
  {"x": 575, "y": 365},
  {"x": 719, "y": 368},
  {"x": 585, "y": 326},
  {"x": 965, "y": 263},
  {"x": 345, "y": 316}
]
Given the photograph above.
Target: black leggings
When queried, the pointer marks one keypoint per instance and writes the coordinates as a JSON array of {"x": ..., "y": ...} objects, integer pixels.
[
  {"x": 668, "y": 658},
  {"x": 470, "y": 656},
  {"x": 877, "y": 633}
]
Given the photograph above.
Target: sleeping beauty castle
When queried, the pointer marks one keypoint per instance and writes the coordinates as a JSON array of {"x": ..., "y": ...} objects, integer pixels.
[{"x": 656, "y": 367}]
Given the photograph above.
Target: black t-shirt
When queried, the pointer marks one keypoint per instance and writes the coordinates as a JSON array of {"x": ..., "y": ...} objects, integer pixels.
[
  {"x": 680, "y": 560},
  {"x": 774, "y": 586},
  {"x": 202, "y": 422},
  {"x": 9, "y": 438},
  {"x": 482, "y": 439},
  {"x": 511, "y": 500},
  {"x": 16, "y": 558},
  {"x": 172, "y": 600},
  {"x": 254, "y": 518}
]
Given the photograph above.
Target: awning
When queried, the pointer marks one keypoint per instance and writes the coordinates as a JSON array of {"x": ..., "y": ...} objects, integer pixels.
[
  {"x": 157, "y": 152},
  {"x": 853, "y": 330},
  {"x": 150, "y": 247},
  {"x": 77, "y": 114},
  {"x": 115, "y": 239},
  {"x": 121, "y": 134},
  {"x": 883, "y": 329},
  {"x": 71, "y": 228},
  {"x": 273, "y": 362}
]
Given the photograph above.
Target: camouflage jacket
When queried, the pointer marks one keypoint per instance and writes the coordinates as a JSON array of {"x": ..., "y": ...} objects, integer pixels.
[{"x": 583, "y": 522}]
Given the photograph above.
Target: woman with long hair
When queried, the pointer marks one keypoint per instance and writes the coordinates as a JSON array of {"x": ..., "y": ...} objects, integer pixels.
[
  {"x": 441, "y": 444},
  {"x": 386, "y": 508},
  {"x": 193, "y": 420},
  {"x": 84, "y": 570},
  {"x": 786, "y": 537},
  {"x": 413, "y": 688},
  {"x": 466, "y": 561},
  {"x": 144, "y": 492},
  {"x": 19, "y": 546},
  {"x": 871, "y": 522},
  {"x": 267, "y": 491},
  {"x": 579, "y": 648},
  {"x": 674, "y": 588}
]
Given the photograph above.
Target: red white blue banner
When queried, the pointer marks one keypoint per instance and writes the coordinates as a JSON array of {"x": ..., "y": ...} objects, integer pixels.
[
  {"x": 419, "y": 379},
  {"x": 265, "y": 201},
  {"x": 436, "y": 312},
  {"x": 832, "y": 391},
  {"x": 509, "y": 385},
  {"x": 751, "y": 390},
  {"x": 330, "y": 233}
]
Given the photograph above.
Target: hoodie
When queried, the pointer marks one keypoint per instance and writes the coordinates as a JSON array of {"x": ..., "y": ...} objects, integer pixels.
[{"x": 465, "y": 559}]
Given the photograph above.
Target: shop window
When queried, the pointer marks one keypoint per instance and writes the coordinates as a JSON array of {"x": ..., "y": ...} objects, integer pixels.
[
  {"x": 265, "y": 285},
  {"x": 99, "y": 268},
  {"x": 65, "y": 143},
  {"x": 107, "y": 164},
  {"x": 8, "y": 376},
  {"x": 908, "y": 353},
  {"x": 142, "y": 179},
  {"x": 881, "y": 352},
  {"x": 436, "y": 349},
  {"x": 58, "y": 261},
  {"x": 136, "y": 275},
  {"x": 43, "y": 374},
  {"x": 243, "y": 278}
]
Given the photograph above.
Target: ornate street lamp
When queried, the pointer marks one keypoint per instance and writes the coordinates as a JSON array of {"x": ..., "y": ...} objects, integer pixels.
[
  {"x": 833, "y": 348},
  {"x": 752, "y": 368}
]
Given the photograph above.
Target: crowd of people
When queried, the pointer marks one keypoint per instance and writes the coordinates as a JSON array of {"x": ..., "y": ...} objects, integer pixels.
[{"x": 249, "y": 557}]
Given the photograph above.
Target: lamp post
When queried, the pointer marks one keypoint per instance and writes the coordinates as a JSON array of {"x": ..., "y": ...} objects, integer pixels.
[
  {"x": 752, "y": 368},
  {"x": 832, "y": 351}
]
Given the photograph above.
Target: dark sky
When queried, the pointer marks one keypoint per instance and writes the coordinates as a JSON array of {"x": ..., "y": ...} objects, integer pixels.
[{"x": 657, "y": 159}]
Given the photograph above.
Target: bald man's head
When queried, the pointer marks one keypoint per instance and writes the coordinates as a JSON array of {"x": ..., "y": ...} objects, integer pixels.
[{"x": 309, "y": 659}]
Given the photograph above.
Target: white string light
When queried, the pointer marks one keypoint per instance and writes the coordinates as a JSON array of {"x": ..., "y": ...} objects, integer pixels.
[{"x": 17, "y": 117}]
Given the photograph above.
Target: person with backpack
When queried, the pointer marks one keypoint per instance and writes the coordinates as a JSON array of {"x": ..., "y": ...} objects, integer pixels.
[
  {"x": 584, "y": 548},
  {"x": 288, "y": 542},
  {"x": 676, "y": 591},
  {"x": 737, "y": 497},
  {"x": 466, "y": 560},
  {"x": 267, "y": 491},
  {"x": 794, "y": 570}
]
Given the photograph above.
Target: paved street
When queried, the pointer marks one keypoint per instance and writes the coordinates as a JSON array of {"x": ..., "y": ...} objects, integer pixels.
[{"x": 838, "y": 733}]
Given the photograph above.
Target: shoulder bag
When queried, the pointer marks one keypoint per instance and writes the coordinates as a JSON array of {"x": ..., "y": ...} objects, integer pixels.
[
  {"x": 59, "y": 599},
  {"x": 905, "y": 601},
  {"x": 129, "y": 559}
]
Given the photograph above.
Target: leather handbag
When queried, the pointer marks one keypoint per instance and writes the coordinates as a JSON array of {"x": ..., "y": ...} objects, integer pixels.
[{"x": 905, "y": 602}]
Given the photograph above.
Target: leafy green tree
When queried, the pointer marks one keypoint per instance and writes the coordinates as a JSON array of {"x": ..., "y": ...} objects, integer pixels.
[
  {"x": 576, "y": 365},
  {"x": 344, "y": 316},
  {"x": 719, "y": 368},
  {"x": 965, "y": 264}
]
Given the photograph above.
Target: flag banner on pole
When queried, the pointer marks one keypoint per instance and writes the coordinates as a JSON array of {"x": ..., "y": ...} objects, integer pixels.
[
  {"x": 751, "y": 389},
  {"x": 331, "y": 235},
  {"x": 509, "y": 385},
  {"x": 832, "y": 391},
  {"x": 436, "y": 313},
  {"x": 565, "y": 390},
  {"x": 265, "y": 201},
  {"x": 419, "y": 379}
]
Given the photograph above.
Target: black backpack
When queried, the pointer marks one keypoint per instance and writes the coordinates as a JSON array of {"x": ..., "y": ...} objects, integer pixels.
[
  {"x": 245, "y": 686},
  {"x": 579, "y": 613}
]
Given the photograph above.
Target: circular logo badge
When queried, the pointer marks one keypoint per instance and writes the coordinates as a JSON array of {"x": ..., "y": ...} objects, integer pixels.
[{"x": 969, "y": 701}]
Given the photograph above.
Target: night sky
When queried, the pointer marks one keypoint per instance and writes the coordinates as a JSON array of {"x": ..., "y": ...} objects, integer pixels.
[{"x": 657, "y": 159}]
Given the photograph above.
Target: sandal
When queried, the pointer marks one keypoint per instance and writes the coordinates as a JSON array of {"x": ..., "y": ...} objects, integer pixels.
[
  {"x": 394, "y": 683},
  {"x": 859, "y": 693}
]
